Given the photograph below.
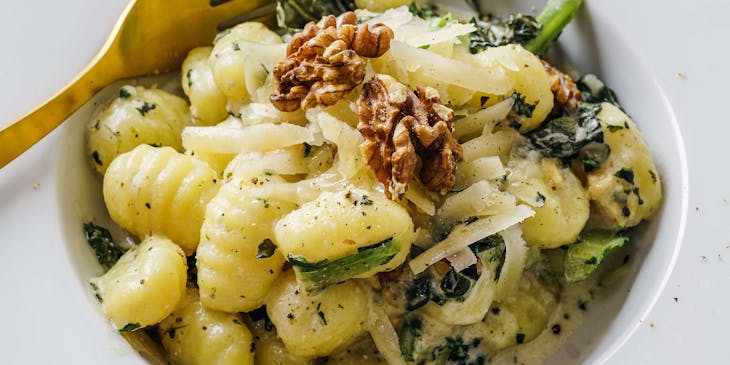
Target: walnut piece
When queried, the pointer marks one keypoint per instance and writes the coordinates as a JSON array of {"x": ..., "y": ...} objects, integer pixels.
[
  {"x": 399, "y": 126},
  {"x": 323, "y": 64},
  {"x": 564, "y": 89}
]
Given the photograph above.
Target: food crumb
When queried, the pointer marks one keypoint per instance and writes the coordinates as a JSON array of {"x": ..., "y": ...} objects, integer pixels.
[
  {"x": 681, "y": 75},
  {"x": 36, "y": 186},
  {"x": 651, "y": 325},
  {"x": 676, "y": 299},
  {"x": 703, "y": 257}
]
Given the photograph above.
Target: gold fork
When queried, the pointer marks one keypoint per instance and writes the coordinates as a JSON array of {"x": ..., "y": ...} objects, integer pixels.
[{"x": 150, "y": 36}]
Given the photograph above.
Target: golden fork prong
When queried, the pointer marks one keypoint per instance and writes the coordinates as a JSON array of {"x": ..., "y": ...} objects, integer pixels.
[{"x": 150, "y": 36}]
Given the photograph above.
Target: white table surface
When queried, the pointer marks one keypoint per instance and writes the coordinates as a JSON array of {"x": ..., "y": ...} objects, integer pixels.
[{"x": 42, "y": 46}]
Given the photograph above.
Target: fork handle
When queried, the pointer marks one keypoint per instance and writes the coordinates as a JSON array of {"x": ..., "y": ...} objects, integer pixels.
[{"x": 22, "y": 134}]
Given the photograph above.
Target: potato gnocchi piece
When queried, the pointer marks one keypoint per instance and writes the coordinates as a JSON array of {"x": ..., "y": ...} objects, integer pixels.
[
  {"x": 233, "y": 56},
  {"x": 324, "y": 233},
  {"x": 194, "y": 334},
  {"x": 144, "y": 286},
  {"x": 560, "y": 202},
  {"x": 158, "y": 191},
  {"x": 238, "y": 259},
  {"x": 207, "y": 102},
  {"x": 313, "y": 325},
  {"x": 530, "y": 81},
  {"x": 626, "y": 188},
  {"x": 138, "y": 115}
]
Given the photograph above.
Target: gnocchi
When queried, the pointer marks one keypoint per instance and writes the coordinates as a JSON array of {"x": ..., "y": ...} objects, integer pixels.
[
  {"x": 144, "y": 286},
  {"x": 136, "y": 116},
  {"x": 152, "y": 190}
]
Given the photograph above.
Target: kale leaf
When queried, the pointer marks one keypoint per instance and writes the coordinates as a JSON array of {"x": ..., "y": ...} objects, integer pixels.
[
  {"x": 593, "y": 90},
  {"x": 99, "y": 238},
  {"x": 564, "y": 136},
  {"x": 295, "y": 14},
  {"x": 495, "y": 32}
]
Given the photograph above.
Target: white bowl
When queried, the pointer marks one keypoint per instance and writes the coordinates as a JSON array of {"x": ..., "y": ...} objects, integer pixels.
[{"x": 592, "y": 44}]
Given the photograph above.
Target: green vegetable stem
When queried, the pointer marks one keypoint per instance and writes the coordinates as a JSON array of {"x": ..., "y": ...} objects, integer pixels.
[{"x": 556, "y": 15}]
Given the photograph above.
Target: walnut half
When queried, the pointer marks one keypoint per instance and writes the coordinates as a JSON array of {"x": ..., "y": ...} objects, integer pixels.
[
  {"x": 564, "y": 89},
  {"x": 323, "y": 64},
  {"x": 399, "y": 126}
]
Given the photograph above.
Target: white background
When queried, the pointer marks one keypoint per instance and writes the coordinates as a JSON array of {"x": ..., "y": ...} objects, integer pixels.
[{"x": 43, "y": 44}]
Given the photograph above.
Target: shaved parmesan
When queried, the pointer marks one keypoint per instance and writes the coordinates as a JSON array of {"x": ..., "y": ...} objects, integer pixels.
[
  {"x": 514, "y": 262},
  {"x": 483, "y": 79},
  {"x": 260, "y": 137},
  {"x": 464, "y": 235}
]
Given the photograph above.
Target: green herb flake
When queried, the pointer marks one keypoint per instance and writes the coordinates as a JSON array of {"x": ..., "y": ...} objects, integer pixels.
[
  {"x": 190, "y": 79},
  {"x": 520, "y": 338},
  {"x": 653, "y": 176},
  {"x": 590, "y": 165},
  {"x": 626, "y": 211},
  {"x": 522, "y": 107},
  {"x": 614, "y": 128},
  {"x": 266, "y": 249},
  {"x": 540, "y": 199},
  {"x": 124, "y": 93},
  {"x": 321, "y": 314},
  {"x": 100, "y": 239},
  {"x": 307, "y": 149},
  {"x": 425, "y": 46},
  {"x": 172, "y": 331},
  {"x": 145, "y": 108},
  {"x": 626, "y": 174},
  {"x": 97, "y": 295},
  {"x": 95, "y": 156},
  {"x": 129, "y": 327},
  {"x": 365, "y": 201}
]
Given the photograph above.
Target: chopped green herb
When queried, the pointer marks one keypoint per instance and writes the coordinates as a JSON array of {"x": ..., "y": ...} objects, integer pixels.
[
  {"x": 145, "y": 108},
  {"x": 520, "y": 338},
  {"x": 653, "y": 176},
  {"x": 614, "y": 128},
  {"x": 626, "y": 174},
  {"x": 425, "y": 46},
  {"x": 95, "y": 288},
  {"x": 540, "y": 199},
  {"x": 521, "y": 107},
  {"x": 100, "y": 239},
  {"x": 124, "y": 93},
  {"x": 95, "y": 156},
  {"x": 590, "y": 165},
  {"x": 129, "y": 327},
  {"x": 365, "y": 201},
  {"x": 321, "y": 315},
  {"x": 266, "y": 249},
  {"x": 173, "y": 330},
  {"x": 307, "y": 149},
  {"x": 190, "y": 79},
  {"x": 626, "y": 211}
]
